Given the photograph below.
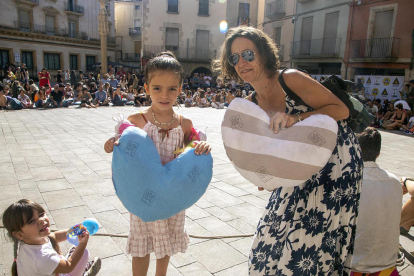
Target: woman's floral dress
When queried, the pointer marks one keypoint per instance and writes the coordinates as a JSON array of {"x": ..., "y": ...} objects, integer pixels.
[{"x": 309, "y": 229}]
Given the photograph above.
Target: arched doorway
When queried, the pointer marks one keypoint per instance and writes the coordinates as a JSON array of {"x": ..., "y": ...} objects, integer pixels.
[{"x": 200, "y": 70}]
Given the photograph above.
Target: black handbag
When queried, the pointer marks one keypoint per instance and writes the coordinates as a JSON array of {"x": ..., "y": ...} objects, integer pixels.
[{"x": 359, "y": 118}]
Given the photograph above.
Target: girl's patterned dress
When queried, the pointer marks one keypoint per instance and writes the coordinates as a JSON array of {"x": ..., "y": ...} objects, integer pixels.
[
  {"x": 310, "y": 229},
  {"x": 164, "y": 237}
]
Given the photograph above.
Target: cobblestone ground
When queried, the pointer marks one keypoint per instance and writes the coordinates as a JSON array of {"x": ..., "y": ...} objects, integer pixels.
[{"x": 56, "y": 158}]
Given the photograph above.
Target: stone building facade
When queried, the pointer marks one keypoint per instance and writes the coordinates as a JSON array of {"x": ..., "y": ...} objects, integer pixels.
[{"x": 57, "y": 35}]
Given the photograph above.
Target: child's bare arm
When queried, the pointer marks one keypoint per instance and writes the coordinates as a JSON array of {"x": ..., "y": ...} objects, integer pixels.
[
  {"x": 60, "y": 235},
  {"x": 67, "y": 266}
]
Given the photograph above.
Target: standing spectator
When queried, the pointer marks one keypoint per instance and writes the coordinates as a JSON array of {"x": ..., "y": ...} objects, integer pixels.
[
  {"x": 101, "y": 97},
  {"x": 410, "y": 95},
  {"x": 73, "y": 79},
  {"x": 24, "y": 74},
  {"x": 207, "y": 80},
  {"x": 24, "y": 99},
  {"x": 67, "y": 76},
  {"x": 378, "y": 228},
  {"x": 44, "y": 77},
  {"x": 59, "y": 77},
  {"x": 195, "y": 81}
]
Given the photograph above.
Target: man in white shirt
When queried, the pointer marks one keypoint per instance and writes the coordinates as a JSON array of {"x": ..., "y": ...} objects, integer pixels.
[
  {"x": 371, "y": 108},
  {"x": 377, "y": 230}
]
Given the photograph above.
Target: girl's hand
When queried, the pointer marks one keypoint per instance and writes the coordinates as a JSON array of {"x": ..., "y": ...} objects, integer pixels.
[
  {"x": 109, "y": 145},
  {"x": 282, "y": 120},
  {"x": 83, "y": 239},
  {"x": 202, "y": 147}
]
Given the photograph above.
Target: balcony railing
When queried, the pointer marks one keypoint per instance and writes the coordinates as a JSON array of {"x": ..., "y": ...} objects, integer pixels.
[
  {"x": 376, "y": 48},
  {"x": 135, "y": 31},
  {"x": 304, "y": 1},
  {"x": 53, "y": 31},
  {"x": 182, "y": 53},
  {"x": 132, "y": 56},
  {"x": 74, "y": 8},
  {"x": 276, "y": 9},
  {"x": 30, "y": 2},
  {"x": 317, "y": 47},
  {"x": 281, "y": 50},
  {"x": 245, "y": 21}
]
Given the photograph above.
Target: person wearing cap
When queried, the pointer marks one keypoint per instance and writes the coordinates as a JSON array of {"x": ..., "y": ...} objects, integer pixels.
[
  {"x": 56, "y": 96},
  {"x": 105, "y": 79},
  {"x": 410, "y": 94},
  {"x": 113, "y": 81}
]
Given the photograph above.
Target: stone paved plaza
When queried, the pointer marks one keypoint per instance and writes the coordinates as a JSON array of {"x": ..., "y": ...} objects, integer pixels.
[{"x": 56, "y": 157}]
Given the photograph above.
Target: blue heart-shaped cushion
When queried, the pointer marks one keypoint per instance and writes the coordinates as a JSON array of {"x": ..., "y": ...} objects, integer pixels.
[{"x": 150, "y": 190}]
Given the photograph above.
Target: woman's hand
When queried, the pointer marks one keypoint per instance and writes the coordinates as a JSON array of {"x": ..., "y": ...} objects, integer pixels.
[
  {"x": 282, "y": 120},
  {"x": 202, "y": 147},
  {"x": 109, "y": 145}
]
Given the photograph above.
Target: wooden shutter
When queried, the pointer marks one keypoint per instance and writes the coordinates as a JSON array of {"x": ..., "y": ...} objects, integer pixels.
[
  {"x": 330, "y": 33},
  {"x": 306, "y": 35},
  {"x": 244, "y": 10},
  {"x": 383, "y": 24},
  {"x": 278, "y": 35},
  {"x": 202, "y": 44},
  {"x": 171, "y": 37}
]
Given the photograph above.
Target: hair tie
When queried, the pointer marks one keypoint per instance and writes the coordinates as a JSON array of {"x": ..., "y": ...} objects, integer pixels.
[{"x": 15, "y": 260}]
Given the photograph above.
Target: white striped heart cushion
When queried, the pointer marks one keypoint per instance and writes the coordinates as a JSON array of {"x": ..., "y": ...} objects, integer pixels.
[{"x": 270, "y": 160}]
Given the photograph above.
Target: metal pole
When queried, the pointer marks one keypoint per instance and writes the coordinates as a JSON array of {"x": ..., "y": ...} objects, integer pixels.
[{"x": 103, "y": 32}]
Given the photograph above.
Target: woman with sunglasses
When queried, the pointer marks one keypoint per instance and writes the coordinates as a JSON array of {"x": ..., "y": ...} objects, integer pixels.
[{"x": 307, "y": 229}]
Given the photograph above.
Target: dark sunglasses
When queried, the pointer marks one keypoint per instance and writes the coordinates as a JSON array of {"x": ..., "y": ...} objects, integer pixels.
[{"x": 247, "y": 55}]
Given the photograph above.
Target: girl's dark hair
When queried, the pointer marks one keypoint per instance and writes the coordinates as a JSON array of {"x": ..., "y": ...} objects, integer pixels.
[
  {"x": 84, "y": 88},
  {"x": 15, "y": 217},
  {"x": 400, "y": 106},
  {"x": 165, "y": 61},
  {"x": 266, "y": 51},
  {"x": 44, "y": 69}
]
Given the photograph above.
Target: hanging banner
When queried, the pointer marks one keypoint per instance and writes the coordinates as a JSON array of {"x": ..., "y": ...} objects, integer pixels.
[{"x": 382, "y": 87}]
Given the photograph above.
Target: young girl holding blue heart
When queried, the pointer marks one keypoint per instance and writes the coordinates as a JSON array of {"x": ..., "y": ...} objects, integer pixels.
[
  {"x": 163, "y": 81},
  {"x": 36, "y": 248}
]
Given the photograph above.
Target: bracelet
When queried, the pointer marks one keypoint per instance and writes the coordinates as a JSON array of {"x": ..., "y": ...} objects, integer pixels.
[
  {"x": 408, "y": 178},
  {"x": 299, "y": 119}
]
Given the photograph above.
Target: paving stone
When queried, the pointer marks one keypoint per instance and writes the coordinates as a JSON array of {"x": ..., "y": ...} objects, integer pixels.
[
  {"x": 195, "y": 212},
  {"x": 103, "y": 247},
  {"x": 10, "y": 191},
  {"x": 62, "y": 199},
  {"x": 171, "y": 271},
  {"x": 255, "y": 201},
  {"x": 246, "y": 212},
  {"x": 243, "y": 245},
  {"x": 38, "y": 161},
  {"x": 220, "y": 213},
  {"x": 66, "y": 218},
  {"x": 117, "y": 204},
  {"x": 105, "y": 188},
  {"x": 33, "y": 194},
  {"x": 24, "y": 176},
  {"x": 28, "y": 184},
  {"x": 53, "y": 185},
  {"x": 118, "y": 265},
  {"x": 8, "y": 179},
  {"x": 84, "y": 188},
  {"x": 242, "y": 226},
  {"x": 46, "y": 173},
  {"x": 240, "y": 270},
  {"x": 97, "y": 203},
  {"x": 230, "y": 189},
  {"x": 113, "y": 221},
  {"x": 194, "y": 269},
  {"x": 217, "y": 227},
  {"x": 6, "y": 167},
  {"x": 203, "y": 203},
  {"x": 220, "y": 198},
  {"x": 182, "y": 259},
  {"x": 206, "y": 253},
  {"x": 74, "y": 176}
]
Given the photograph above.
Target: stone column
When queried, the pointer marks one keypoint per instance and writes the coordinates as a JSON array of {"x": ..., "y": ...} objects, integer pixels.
[{"x": 103, "y": 32}]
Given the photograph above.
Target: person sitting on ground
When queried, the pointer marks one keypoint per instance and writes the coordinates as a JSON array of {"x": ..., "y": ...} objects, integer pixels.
[
  {"x": 376, "y": 243},
  {"x": 117, "y": 101},
  {"x": 24, "y": 99},
  {"x": 398, "y": 119},
  {"x": 113, "y": 81},
  {"x": 105, "y": 79},
  {"x": 202, "y": 102},
  {"x": 130, "y": 95},
  {"x": 77, "y": 89},
  {"x": 86, "y": 98},
  {"x": 92, "y": 89},
  {"x": 3, "y": 98},
  {"x": 409, "y": 127},
  {"x": 48, "y": 89},
  {"x": 56, "y": 96},
  {"x": 40, "y": 98},
  {"x": 68, "y": 91},
  {"x": 229, "y": 98},
  {"x": 188, "y": 101},
  {"x": 371, "y": 108},
  {"x": 389, "y": 112},
  {"x": 101, "y": 98},
  {"x": 218, "y": 101}
]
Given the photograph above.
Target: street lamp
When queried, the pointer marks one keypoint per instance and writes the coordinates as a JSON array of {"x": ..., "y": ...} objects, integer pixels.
[{"x": 104, "y": 31}]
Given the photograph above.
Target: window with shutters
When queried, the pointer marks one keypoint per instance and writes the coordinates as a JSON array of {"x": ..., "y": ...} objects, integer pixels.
[
  {"x": 329, "y": 42},
  {"x": 27, "y": 58},
  {"x": 202, "y": 44},
  {"x": 73, "y": 62},
  {"x": 72, "y": 29},
  {"x": 24, "y": 20},
  {"x": 172, "y": 39},
  {"x": 52, "y": 61},
  {"x": 172, "y": 6},
  {"x": 4, "y": 58},
  {"x": 306, "y": 35},
  {"x": 278, "y": 35},
  {"x": 203, "y": 7},
  {"x": 90, "y": 61},
  {"x": 50, "y": 24}
]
